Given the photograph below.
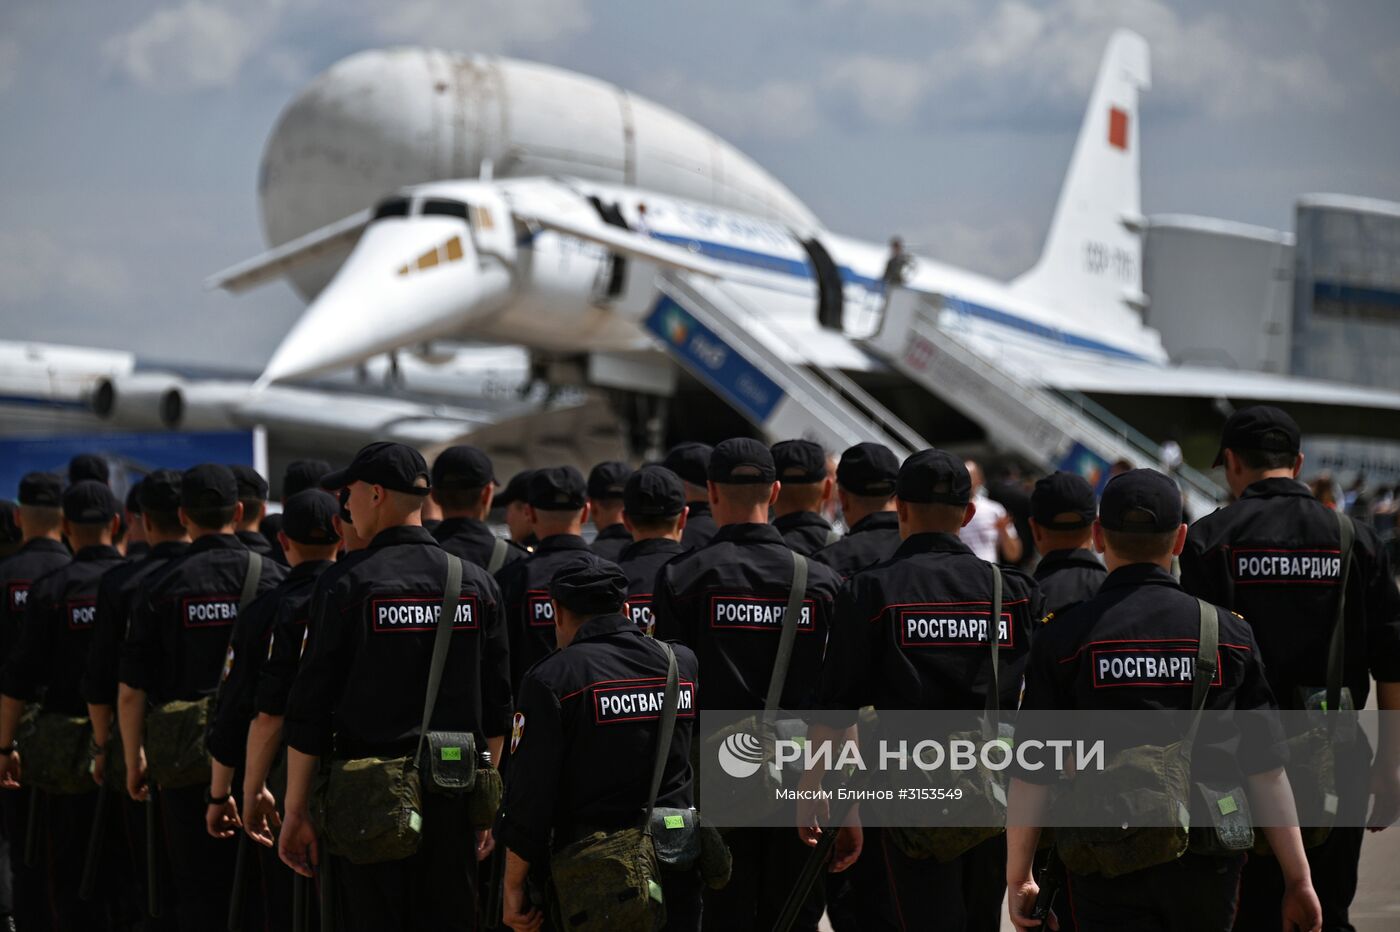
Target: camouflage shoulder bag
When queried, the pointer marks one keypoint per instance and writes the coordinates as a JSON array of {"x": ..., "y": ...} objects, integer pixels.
[
  {"x": 175, "y": 730},
  {"x": 983, "y": 790},
  {"x": 372, "y": 807},
  {"x": 610, "y": 881},
  {"x": 1146, "y": 789},
  {"x": 56, "y": 753}
]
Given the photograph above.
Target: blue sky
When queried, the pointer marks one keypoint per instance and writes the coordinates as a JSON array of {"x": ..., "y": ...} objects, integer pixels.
[{"x": 133, "y": 128}]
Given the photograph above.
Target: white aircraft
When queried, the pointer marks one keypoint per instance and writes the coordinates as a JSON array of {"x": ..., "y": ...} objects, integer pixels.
[{"x": 774, "y": 315}]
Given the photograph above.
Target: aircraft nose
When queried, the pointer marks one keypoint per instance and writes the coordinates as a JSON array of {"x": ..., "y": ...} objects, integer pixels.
[{"x": 406, "y": 281}]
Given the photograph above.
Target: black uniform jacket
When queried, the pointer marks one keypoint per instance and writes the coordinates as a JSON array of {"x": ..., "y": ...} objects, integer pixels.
[
  {"x": 248, "y": 650},
  {"x": 911, "y": 633},
  {"x": 182, "y": 616},
  {"x": 114, "y": 595},
  {"x": 525, "y": 595},
  {"x": 1273, "y": 557},
  {"x": 255, "y": 542},
  {"x": 641, "y": 561},
  {"x": 804, "y": 531},
  {"x": 48, "y": 658},
  {"x": 727, "y": 601},
  {"x": 873, "y": 539},
  {"x": 1069, "y": 576},
  {"x": 1133, "y": 647},
  {"x": 583, "y": 742},
  {"x": 360, "y": 689},
  {"x": 611, "y": 541},
  {"x": 17, "y": 573},
  {"x": 700, "y": 525},
  {"x": 474, "y": 540}
]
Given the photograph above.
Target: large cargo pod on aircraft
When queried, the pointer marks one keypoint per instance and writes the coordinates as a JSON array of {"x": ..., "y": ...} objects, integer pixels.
[{"x": 1346, "y": 308}]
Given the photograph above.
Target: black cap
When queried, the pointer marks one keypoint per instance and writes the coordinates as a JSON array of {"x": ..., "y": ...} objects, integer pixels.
[
  {"x": 133, "y": 498},
  {"x": 208, "y": 486},
  {"x": 252, "y": 487},
  {"x": 41, "y": 490},
  {"x": 598, "y": 588},
  {"x": 88, "y": 501},
  {"x": 160, "y": 492},
  {"x": 1262, "y": 427},
  {"x": 557, "y": 488},
  {"x": 934, "y": 477},
  {"x": 517, "y": 489},
  {"x": 742, "y": 461},
  {"x": 1063, "y": 501},
  {"x": 799, "y": 461},
  {"x": 463, "y": 467},
  {"x": 1143, "y": 501},
  {"x": 607, "y": 480},
  {"x": 868, "y": 469},
  {"x": 396, "y": 466},
  {"x": 690, "y": 461},
  {"x": 88, "y": 466},
  {"x": 306, "y": 518},
  {"x": 303, "y": 474},
  {"x": 653, "y": 492}
]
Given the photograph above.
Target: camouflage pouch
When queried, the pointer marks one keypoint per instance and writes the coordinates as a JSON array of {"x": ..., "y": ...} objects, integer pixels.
[
  {"x": 608, "y": 882},
  {"x": 983, "y": 800},
  {"x": 175, "y": 743},
  {"x": 55, "y": 754},
  {"x": 755, "y": 740},
  {"x": 485, "y": 797},
  {"x": 1312, "y": 773},
  {"x": 372, "y": 809}
]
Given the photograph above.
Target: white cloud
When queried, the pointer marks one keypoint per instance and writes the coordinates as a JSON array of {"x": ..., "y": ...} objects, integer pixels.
[
  {"x": 770, "y": 110},
  {"x": 999, "y": 248},
  {"x": 35, "y": 266},
  {"x": 198, "y": 44},
  {"x": 9, "y": 62},
  {"x": 1386, "y": 68},
  {"x": 479, "y": 25}
]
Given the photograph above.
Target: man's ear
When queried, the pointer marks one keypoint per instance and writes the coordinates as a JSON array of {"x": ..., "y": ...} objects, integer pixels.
[
  {"x": 237, "y": 512},
  {"x": 1096, "y": 534},
  {"x": 1180, "y": 541},
  {"x": 713, "y": 491},
  {"x": 773, "y": 498},
  {"x": 968, "y": 512},
  {"x": 114, "y": 527},
  {"x": 587, "y": 510},
  {"x": 488, "y": 495},
  {"x": 685, "y": 515},
  {"x": 1298, "y": 466}
]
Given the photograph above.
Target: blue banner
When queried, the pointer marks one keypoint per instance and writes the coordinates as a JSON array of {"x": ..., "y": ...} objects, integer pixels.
[
  {"x": 715, "y": 362},
  {"x": 1082, "y": 461}
]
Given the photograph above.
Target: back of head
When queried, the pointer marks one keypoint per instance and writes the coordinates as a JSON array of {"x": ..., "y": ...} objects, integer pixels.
[
  {"x": 1140, "y": 515},
  {"x": 559, "y": 496},
  {"x": 40, "y": 504},
  {"x": 88, "y": 466},
  {"x": 88, "y": 509},
  {"x": 209, "y": 496},
  {"x": 1262, "y": 439},
  {"x": 397, "y": 469},
  {"x": 801, "y": 468},
  {"x": 653, "y": 501},
  {"x": 1063, "y": 507},
  {"x": 303, "y": 474},
  {"x": 690, "y": 461},
  {"x": 308, "y": 521},
  {"x": 460, "y": 476},
  {"x": 606, "y": 482},
  {"x": 933, "y": 489},
  {"x": 743, "y": 474},
  {"x": 160, "y": 503},
  {"x": 252, "y": 493}
]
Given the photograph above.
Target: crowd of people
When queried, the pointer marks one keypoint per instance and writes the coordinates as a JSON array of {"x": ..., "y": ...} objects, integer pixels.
[{"x": 371, "y": 710}]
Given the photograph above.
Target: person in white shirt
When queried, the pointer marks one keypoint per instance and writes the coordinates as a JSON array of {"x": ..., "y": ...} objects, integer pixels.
[{"x": 991, "y": 534}]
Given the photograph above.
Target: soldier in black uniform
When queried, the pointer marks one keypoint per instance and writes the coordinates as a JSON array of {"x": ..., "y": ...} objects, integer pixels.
[
  {"x": 806, "y": 489},
  {"x": 1272, "y": 557},
  {"x": 654, "y": 509},
  {"x": 557, "y": 510},
  {"x": 360, "y": 694},
  {"x": 726, "y": 601},
  {"x": 865, "y": 480},
  {"x": 252, "y": 495},
  {"x": 297, "y": 477},
  {"x": 160, "y": 516},
  {"x": 175, "y": 649},
  {"x": 605, "y": 484},
  {"x": 134, "y": 543},
  {"x": 42, "y": 551},
  {"x": 1062, "y": 513},
  {"x": 464, "y": 484},
  {"x": 880, "y": 654},
  {"x": 691, "y": 461},
  {"x": 310, "y": 541},
  {"x": 515, "y": 499},
  {"x": 1142, "y": 612},
  {"x": 88, "y": 466},
  {"x": 46, "y": 663},
  {"x": 578, "y": 710}
]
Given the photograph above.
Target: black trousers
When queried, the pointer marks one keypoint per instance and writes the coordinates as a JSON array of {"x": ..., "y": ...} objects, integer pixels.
[
  {"x": 133, "y": 819},
  {"x": 766, "y": 864},
  {"x": 433, "y": 889},
  {"x": 26, "y": 884},
  {"x": 1195, "y": 893},
  {"x": 201, "y": 867}
]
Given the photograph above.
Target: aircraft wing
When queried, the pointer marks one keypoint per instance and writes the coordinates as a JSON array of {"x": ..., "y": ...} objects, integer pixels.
[
  {"x": 277, "y": 262},
  {"x": 624, "y": 242}
]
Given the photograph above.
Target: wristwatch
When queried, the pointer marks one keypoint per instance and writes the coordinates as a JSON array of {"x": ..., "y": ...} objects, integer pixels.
[{"x": 210, "y": 800}]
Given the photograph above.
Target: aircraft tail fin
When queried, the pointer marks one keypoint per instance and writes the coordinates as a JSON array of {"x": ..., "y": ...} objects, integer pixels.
[{"x": 1091, "y": 264}]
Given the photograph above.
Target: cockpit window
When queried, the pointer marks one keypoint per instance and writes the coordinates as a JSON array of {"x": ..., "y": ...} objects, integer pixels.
[
  {"x": 393, "y": 207},
  {"x": 441, "y": 208}
]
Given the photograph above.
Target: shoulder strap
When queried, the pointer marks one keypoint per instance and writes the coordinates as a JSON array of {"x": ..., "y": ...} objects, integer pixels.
[
  {"x": 791, "y": 616},
  {"x": 994, "y": 639},
  {"x": 498, "y": 555},
  {"x": 1336, "y": 649},
  {"x": 251, "y": 577},
  {"x": 442, "y": 640},
  {"x": 1207, "y": 651},
  {"x": 666, "y": 727}
]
